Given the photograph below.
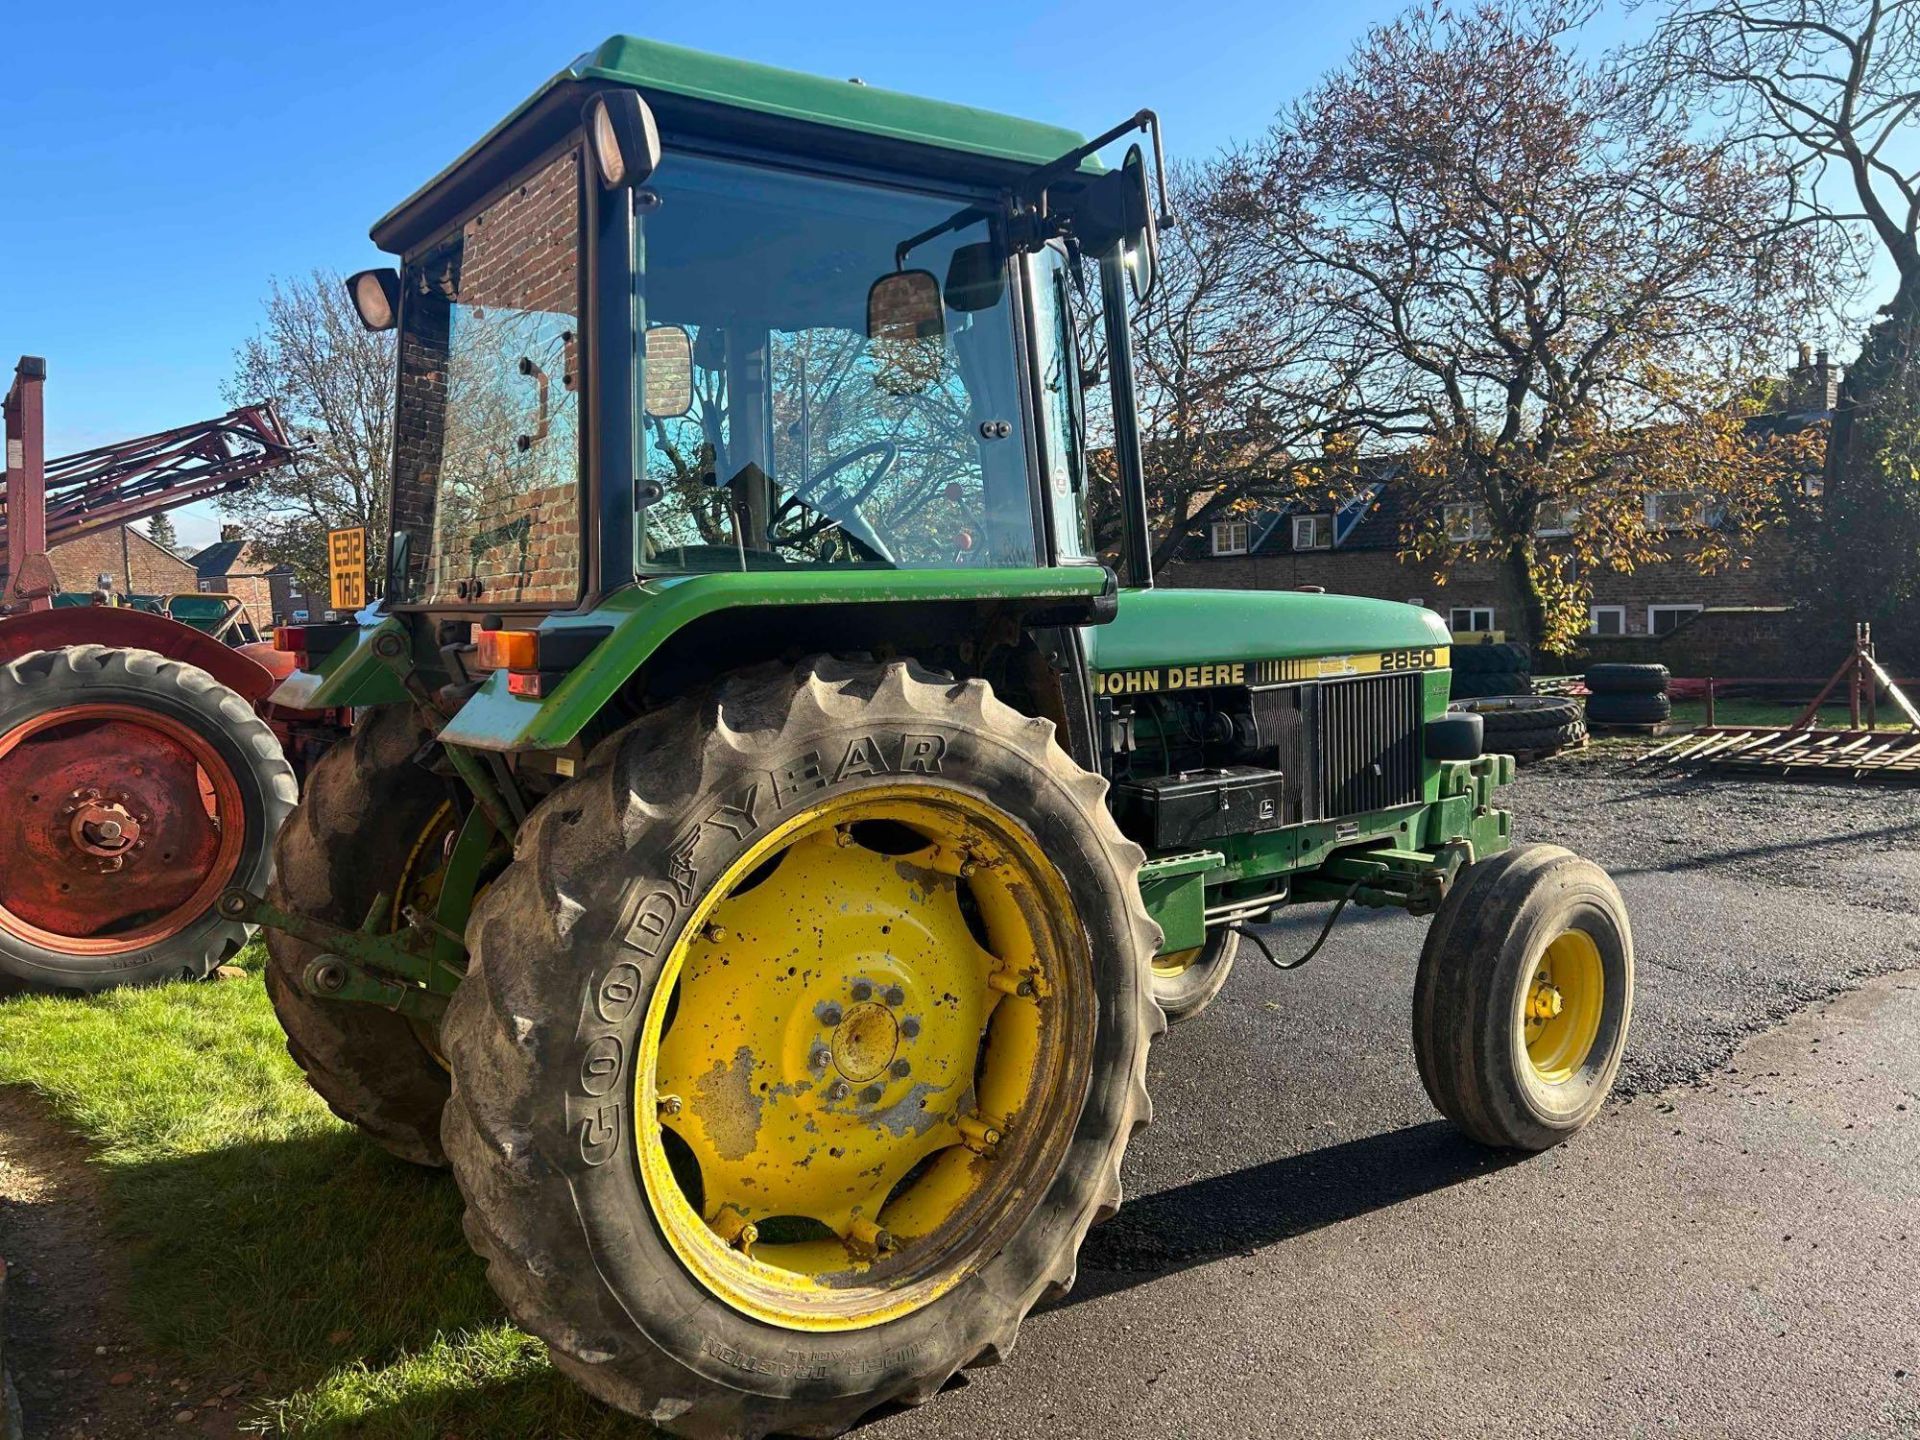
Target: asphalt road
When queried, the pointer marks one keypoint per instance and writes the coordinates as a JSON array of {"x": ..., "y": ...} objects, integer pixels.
[{"x": 1731, "y": 1249}]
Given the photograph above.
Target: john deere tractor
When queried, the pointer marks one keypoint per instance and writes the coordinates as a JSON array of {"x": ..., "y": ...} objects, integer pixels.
[{"x": 772, "y": 838}]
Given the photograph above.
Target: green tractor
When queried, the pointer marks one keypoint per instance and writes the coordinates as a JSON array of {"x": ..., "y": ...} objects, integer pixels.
[{"x": 772, "y": 838}]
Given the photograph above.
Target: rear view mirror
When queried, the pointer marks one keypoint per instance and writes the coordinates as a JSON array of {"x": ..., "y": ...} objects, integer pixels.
[
  {"x": 976, "y": 277},
  {"x": 1140, "y": 242},
  {"x": 667, "y": 362},
  {"x": 905, "y": 306},
  {"x": 906, "y": 328}
]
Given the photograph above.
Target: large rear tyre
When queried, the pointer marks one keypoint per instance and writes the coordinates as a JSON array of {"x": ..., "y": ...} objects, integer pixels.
[
  {"x": 1523, "y": 998},
  {"x": 133, "y": 790},
  {"x": 800, "y": 1047},
  {"x": 1185, "y": 982},
  {"x": 371, "y": 822}
]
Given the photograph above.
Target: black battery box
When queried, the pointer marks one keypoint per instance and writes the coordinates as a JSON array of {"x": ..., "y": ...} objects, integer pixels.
[{"x": 1186, "y": 810}]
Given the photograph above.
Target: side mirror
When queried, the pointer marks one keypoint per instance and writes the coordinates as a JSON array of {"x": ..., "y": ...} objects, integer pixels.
[
  {"x": 905, "y": 306},
  {"x": 623, "y": 137},
  {"x": 667, "y": 359},
  {"x": 376, "y": 297},
  {"x": 976, "y": 277},
  {"x": 1140, "y": 242},
  {"x": 906, "y": 324}
]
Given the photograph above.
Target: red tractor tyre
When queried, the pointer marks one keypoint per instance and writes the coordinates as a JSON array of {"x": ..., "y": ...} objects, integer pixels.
[{"x": 133, "y": 790}]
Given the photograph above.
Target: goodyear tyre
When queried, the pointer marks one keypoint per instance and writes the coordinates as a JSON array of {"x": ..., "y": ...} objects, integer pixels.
[
  {"x": 371, "y": 821},
  {"x": 1523, "y": 997},
  {"x": 800, "y": 1047}
]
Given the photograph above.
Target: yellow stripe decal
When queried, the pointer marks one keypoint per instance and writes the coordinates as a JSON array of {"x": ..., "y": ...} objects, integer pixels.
[{"x": 1161, "y": 679}]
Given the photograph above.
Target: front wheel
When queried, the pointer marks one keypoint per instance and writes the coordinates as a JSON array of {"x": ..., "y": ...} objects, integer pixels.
[
  {"x": 1523, "y": 998},
  {"x": 800, "y": 1046},
  {"x": 1185, "y": 982}
]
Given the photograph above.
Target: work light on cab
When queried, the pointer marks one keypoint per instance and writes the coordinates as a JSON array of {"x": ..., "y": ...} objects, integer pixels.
[
  {"x": 376, "y": 296},
  {"x": 624, "y": 138}
]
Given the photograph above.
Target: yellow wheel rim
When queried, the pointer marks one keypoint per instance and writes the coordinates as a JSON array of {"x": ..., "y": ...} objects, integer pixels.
[
  {"x": 1562, "y": 1005},
  {"x": 864, "y": 1057},
  {"x": 1176, "y": 964}
]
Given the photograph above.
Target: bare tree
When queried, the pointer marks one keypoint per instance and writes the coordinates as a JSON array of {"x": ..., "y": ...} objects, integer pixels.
[
  {"x": 1238, "y": 383},
  {"x": 1548, "y": 296},
  {"x": 333, "y": 382},
  {"x": 1835, "y": 84}
]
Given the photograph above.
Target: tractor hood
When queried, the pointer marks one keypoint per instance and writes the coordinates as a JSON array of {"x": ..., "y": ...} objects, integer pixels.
[{"x": 1164, "y": 629}]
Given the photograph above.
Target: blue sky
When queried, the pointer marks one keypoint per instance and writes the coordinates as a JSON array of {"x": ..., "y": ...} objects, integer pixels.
[{"x": 158, "y": 163}]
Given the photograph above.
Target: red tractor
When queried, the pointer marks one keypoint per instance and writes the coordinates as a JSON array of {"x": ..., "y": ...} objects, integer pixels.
[{"x": 138, "y": 777}]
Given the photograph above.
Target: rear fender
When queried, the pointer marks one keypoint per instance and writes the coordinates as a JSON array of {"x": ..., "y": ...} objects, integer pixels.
[{"x": 127, "y": 629}]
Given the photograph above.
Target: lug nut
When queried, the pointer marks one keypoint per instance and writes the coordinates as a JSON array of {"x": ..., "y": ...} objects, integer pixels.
[
  {"x": 895, "y": 995},
  {"x": 909, "y": 1028},
  {"x": 901, "y": 1069},
  {"x": 671, "y": 1104},
  {"x": 820, "y": 1058},
  {"x": 870, "y": 1095},
  {"x": 714, "y": 934},
  {"x": 831, "y": 1015},
  {"x": 837, "y": 1090},
  {"x": 862, "y": 990}
]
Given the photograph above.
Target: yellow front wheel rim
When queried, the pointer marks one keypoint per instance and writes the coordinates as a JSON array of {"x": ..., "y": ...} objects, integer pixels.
[
  {"x": 1562, "y": 1005},
  {"x": 863, "y": 1057}
]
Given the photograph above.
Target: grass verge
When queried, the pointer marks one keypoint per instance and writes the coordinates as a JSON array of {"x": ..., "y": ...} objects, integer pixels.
[{"x": 264, "y": 1235}]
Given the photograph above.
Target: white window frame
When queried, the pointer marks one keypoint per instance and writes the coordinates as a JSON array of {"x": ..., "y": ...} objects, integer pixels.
[
  {"x": 1473, "y": 513},
  {"x": 1657, "y": 506},
  {"x": 1454, "y": 614},
  {"x": 1594, "y": 612},
  {"x": 1321, "y": 524},
  {"x": 1229, "y": 528},
  {"x": 1569, "y": 516},
  {"x": 1653, "y": 611}
]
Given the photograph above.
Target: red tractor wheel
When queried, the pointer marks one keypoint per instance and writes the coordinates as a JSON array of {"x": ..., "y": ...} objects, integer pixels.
[{"x": 133, "y": 790}]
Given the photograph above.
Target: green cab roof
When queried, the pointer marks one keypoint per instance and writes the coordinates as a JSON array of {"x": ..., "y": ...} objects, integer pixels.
[
  {"x": 650, "y": 65},
  {"x": 673, "y": 73}
]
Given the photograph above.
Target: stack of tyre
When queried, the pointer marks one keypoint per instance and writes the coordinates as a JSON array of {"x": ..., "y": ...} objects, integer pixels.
[
  {"x": 1627, "y": 695},
  {"x": 1481, "y": 670},
  {"x": 1527, "y": 725}
]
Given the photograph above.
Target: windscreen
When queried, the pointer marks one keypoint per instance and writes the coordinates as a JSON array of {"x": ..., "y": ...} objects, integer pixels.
[
  {"x": 486, "y": 477},
  {"x": 776, "y": 433}
]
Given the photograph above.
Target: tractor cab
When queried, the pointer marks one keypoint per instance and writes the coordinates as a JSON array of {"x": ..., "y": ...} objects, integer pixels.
[{"x": 679, "y": 316}]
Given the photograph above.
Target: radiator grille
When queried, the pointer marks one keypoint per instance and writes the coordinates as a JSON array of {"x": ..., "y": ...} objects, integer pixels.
[{"x": 1369, "y": 744}]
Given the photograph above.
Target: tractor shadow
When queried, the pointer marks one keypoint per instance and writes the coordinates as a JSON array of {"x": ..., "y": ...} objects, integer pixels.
[{"x": 1246, "y": 1210}]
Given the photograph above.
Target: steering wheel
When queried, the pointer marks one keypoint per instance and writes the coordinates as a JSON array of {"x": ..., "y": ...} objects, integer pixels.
[{"x": 886, "y": 449}]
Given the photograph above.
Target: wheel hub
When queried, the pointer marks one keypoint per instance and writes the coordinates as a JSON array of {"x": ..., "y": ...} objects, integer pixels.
[
  {"x": 119, "y": 825},
  {"x": 847, "y": 1061}
]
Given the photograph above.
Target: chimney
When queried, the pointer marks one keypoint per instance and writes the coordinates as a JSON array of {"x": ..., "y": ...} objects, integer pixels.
[
  {"x": 1813, "y": 385},
  {"x": 233, "y": 532}
]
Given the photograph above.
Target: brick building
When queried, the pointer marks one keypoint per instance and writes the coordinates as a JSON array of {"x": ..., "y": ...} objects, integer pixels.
[
  {"x": 232, "y": 567},
  {"x": 1355, "y": 549},
  {"x": 137, "y": 565}
]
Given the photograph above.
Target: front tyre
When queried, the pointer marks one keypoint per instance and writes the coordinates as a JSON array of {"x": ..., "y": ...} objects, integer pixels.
[
  {"x": 1523, "y": 998},
  {"x": 800, "y": 1047},
  {"x": 1185, "y": 982}
]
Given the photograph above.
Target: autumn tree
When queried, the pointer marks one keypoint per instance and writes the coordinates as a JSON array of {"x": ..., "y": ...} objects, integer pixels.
[
  {"x": 1549, "y": 296},
  {"x": 332, "y": 380},
  {"x": 1835, "y": 86},
  {"x": 1237, "y": 382}
]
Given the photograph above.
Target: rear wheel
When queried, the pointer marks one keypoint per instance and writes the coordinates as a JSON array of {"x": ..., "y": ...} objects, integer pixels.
[
  {"x": 1185, "y": 982},
  {"x": 133, "y": 790},
  {"x": 800, "y": 1047},
  {"x": 1523, "y": 997},
  {"x": 371, "y": 822}
]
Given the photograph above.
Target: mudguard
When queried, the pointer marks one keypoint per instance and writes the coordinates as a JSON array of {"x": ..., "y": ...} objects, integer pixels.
[{"x": 129, "y": 629}]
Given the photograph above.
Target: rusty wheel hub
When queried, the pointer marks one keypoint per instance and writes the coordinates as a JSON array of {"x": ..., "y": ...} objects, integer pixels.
[{"x": 120, "y": 825}]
